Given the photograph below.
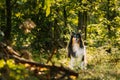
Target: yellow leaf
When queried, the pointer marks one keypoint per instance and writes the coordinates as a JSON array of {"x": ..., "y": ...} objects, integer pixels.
[
  {"x": 2, "y": 63},
  {"x": 47, "y": 6},
  {"x": 47, "y": 11},
  {"x": 18, "y": 14},
  {"x": 11, "y": 63}
]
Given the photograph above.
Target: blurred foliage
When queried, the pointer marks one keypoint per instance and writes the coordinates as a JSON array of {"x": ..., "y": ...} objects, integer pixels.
[{"x": 54, "y": 20}]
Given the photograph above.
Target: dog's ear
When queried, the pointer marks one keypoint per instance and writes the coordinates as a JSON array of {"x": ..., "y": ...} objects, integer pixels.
[{"x": 72, "y": 33}]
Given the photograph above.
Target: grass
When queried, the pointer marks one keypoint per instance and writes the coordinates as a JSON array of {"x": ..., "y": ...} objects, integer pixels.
[{"x": 101, "y": 65}]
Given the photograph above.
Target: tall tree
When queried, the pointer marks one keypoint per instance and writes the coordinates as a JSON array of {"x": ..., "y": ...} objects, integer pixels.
[
  {"x": 110, "y": 15},
  {"x": 8, "y": 21},
  {"x": 82, "y": 20}
]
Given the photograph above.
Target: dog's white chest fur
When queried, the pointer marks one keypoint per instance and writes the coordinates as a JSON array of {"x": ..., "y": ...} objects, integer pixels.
[{"x": 78, "y": 51}]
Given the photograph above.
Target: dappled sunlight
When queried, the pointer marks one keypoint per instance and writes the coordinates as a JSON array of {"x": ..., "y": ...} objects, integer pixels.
[{"x": 34, "y": 35}]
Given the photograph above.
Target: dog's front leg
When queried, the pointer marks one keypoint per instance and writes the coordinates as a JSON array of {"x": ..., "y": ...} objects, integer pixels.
[{"x": 72, "y": 62}]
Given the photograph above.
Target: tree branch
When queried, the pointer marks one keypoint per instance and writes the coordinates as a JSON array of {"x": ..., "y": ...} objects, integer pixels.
[{"x": 17, "y": 57}]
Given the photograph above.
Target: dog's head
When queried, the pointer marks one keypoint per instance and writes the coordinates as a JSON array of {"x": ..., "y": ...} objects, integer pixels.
[
  {"x": 76, "y": 38},
  {"x": 75, "y": 41}
]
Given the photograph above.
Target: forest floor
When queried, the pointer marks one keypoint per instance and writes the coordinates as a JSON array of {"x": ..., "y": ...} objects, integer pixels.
[{"x": 101, "y": 65}]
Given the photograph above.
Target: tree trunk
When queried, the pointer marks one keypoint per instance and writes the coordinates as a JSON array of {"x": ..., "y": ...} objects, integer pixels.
[
  {"x": 110, "y": 15},
  {"x": 85, "y": 23},
  {"x": 65, "y": 16},
  {"x": 82, "y": 23},
  {"x": 8, "y": 22},
  {"x": 108, "y": 18}
]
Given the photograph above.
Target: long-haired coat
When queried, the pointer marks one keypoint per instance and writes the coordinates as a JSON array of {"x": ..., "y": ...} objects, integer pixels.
[{"x": 76, "y": 52}]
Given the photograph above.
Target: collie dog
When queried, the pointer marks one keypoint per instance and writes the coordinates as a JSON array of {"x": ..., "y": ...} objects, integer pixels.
[{"x": 76, "y": 52}]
